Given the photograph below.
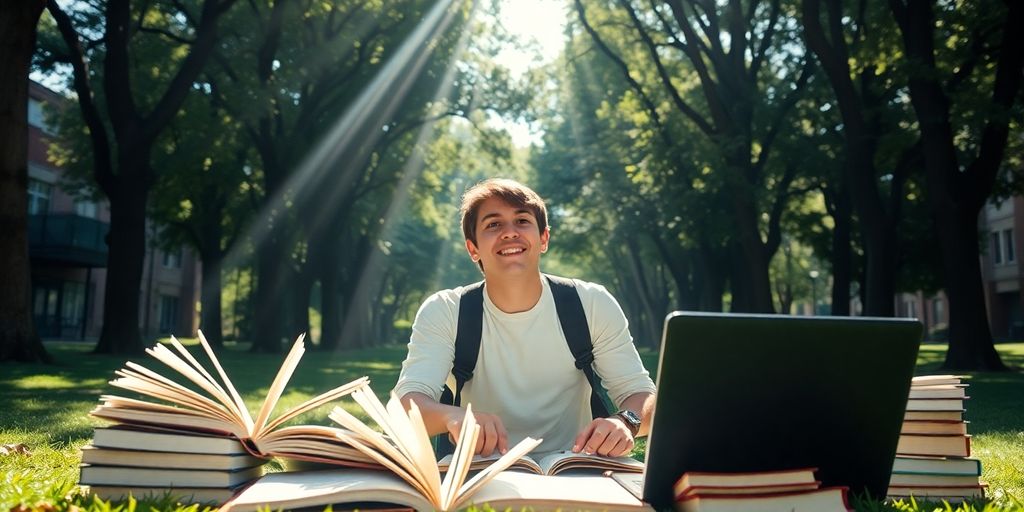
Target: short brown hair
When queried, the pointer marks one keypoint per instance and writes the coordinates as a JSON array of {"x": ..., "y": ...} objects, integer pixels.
[{"x": 510, "y": 191}]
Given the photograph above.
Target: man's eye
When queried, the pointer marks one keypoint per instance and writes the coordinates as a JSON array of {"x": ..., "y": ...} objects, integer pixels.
[
  {"x": 523, "y": 221},
  {"x": 491, "y": 224}
]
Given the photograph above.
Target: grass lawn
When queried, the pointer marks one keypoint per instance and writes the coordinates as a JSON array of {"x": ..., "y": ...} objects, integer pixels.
[{"x": 45, "y": 408}]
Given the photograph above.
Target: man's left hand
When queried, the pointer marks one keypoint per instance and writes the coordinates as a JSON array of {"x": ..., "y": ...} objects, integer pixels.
[{"x": 605, "y": 436}]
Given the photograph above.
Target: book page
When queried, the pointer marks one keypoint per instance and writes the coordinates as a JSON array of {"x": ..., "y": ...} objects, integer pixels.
[
  {"x": 164, "y": 355},
  {"x": 287, "y": 491},
  {"x": 239, "y": 403},
  {"x": 566, "y": 460},
  {"x": 398, "y": 431},
  {"x": 317, "y": 401},
  {"x": 465, "y": 445},
  {"x": 163, "y": 415},
  {"x": 423, "y": 449},
  {"x": 542, "y": 492},
  {"x": 380, "y": 450},
  {"x": 525, "y": 463},
  {"x": 149, "y": 383},
  {"x": 481, "y": 478},
  {"x": 277, "y": 386}
]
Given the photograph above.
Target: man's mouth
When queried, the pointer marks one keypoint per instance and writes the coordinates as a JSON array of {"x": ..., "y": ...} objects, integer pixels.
[{"x": 509, "y": 251}]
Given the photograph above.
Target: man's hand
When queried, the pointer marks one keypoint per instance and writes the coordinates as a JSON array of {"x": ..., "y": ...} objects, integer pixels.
[
  {"x": 493, "y": 435},
  {"x": 605, "y": 436}
]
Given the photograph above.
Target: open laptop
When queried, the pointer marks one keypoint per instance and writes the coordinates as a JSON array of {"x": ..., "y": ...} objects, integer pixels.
[{"x": 741, "y": 393}]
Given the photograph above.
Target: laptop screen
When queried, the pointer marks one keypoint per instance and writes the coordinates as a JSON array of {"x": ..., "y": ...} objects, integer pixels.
[{"x": 740, "y": 393}]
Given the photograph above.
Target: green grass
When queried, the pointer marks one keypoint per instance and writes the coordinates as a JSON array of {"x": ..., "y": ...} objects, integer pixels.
[{"x": 46, "y": 408}]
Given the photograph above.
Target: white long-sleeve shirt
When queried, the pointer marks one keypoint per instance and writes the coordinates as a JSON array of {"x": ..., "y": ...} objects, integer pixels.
[{"x": 525, "y": 372}]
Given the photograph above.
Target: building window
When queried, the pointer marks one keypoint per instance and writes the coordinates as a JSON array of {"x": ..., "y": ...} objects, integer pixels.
[
  {"x": 938, "y": 311},
  {"x": 1008, "y": 245},
  {"x": 172, "y": 258},
  {"x": 73, "y": 303},
  {"x": 910, "y": 307},
  {"x": 35, "y": 115},
  {"x": 997, "y": 249},
  {"x": 168, "y": 313},
  {"x": 86, "y": 208},
  {"x": 38, "y": 197}
]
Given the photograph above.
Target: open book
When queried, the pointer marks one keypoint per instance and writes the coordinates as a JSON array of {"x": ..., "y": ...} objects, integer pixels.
[
  {"x": 220, "y": 409},
  {"x": 556, "y": 462},
  {"x": 413, "y": 478}
]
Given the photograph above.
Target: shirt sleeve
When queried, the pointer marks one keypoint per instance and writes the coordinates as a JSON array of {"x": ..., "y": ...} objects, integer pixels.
[
  {"x": 615, "y": 357},
  {"x": 431, "y": 348}
]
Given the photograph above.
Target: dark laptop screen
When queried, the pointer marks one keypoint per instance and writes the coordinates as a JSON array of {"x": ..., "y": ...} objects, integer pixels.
[{"x": 741, "y": 393}]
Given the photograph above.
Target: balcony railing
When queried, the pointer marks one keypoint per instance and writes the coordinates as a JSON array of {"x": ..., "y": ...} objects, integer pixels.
[{"x": 68, "y": 239}]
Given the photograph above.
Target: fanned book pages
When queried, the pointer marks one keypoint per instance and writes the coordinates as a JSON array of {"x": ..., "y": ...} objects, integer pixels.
[
  {"x": 217, "y": 408},
  {"x": 404, "y": 449},
  {"x": 556, "y": 462}
]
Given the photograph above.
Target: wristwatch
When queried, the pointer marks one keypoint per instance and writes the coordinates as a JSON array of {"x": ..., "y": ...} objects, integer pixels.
[{"x": 631, "y": 419}]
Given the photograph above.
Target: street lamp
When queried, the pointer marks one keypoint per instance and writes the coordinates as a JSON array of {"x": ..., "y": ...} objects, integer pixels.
[{"x": 814, "y": 291}]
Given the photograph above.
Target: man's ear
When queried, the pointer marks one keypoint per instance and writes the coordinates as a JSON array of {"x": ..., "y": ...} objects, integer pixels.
[
  {"x": 545, "y": 237},
  {"x": 474, "y": 253}
]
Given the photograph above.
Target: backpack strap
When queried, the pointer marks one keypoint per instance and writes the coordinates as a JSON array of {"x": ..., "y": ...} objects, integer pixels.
[
  {"x": 467, "y": 341},
  {"x": 577, "y": 335},
  {"x": 467, "y": 348}
]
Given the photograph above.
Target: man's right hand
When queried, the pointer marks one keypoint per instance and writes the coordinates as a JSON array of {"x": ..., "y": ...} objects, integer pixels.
[
  {"x": 439, "y": 418},
  {"x": 493, "y": 435}
]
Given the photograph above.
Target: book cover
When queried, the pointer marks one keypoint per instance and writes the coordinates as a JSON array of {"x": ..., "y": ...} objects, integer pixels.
[
  {"x": 170, "y": 460},
  {"x": 939, "y": 445},
  {"x": 936, "y": 465},
  {"x": 159, "y": 477},
  {"x": 827, "y": 499}
]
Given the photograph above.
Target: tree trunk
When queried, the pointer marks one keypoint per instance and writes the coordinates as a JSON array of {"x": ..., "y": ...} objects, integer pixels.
[
  {"x": 331, "y": 305},
  {"x": 753, "y": 264},
  {"x": 18, "y": 338},
  {"x": 842, "y": 269},
  {"x": 712, "y": 280},
  {"x": 956, "y": 196},
  {"x": 210, "y": 323},
  {"x": 127, "y": 245},
  {"x": 877, "y": 224},
  {"x": 970, "y": 339},
  {"x": 269, "y": 301}
]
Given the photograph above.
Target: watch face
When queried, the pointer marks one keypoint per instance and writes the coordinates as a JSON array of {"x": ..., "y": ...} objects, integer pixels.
[{"x": 630, "y": 418}]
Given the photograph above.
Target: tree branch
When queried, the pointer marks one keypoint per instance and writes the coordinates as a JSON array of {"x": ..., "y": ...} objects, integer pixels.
[
  {"x": 666, "y": 80},
  {"x": 102, "y": 165},
  {"x": 651, "y": 109},
  {"x": 169, "y": 35},
  {"x": 780, "y": 114}
]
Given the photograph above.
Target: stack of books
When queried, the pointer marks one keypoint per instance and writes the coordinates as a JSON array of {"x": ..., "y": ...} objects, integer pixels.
[
  {"x": 145, "y": 462},
  {"x": 792, "y": 490},
  {"x": 933, "y": 455}
]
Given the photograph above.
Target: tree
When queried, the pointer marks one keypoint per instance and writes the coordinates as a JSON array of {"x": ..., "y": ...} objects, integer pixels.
[
  {"x": 124, "y": 124},
  {"x": 203, "y": 196},
  {"x": 864, "y": 93},
  {"x": 18, "y": 338},
  {"x": 960, "y": 178},
  {"x": 748, "y": 82}
]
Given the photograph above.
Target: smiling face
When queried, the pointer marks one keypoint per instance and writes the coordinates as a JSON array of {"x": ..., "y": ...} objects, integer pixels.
[{"x": 508, "y": 239}]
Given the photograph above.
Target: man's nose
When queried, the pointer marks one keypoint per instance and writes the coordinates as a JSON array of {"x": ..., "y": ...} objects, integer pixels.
[{"x": 509, "y": 233}]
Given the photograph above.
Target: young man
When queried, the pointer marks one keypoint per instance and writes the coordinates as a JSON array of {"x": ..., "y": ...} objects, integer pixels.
[{"x": 525, "y": 382}]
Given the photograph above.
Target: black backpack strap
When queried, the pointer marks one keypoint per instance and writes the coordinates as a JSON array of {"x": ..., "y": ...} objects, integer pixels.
[
  {"x": 577, "y": 335},
  {"x": 467, "y": 348},
  {"x": 467, "y": 341}
]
